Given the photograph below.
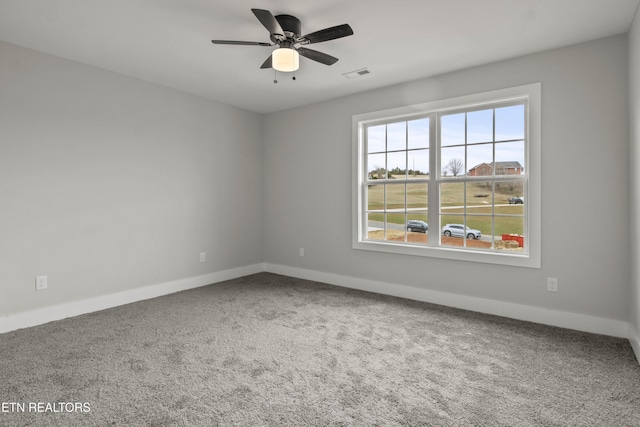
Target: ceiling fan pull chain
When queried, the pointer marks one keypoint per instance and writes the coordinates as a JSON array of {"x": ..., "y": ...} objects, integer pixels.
[{"x": 275, "y": 76}]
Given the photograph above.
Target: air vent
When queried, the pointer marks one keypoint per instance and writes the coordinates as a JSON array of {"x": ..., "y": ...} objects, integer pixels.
[{"x": 356, "y": 73}]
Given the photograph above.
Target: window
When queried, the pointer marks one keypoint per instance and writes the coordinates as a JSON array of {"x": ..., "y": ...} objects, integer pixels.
[{"x": 457, "y": 178}]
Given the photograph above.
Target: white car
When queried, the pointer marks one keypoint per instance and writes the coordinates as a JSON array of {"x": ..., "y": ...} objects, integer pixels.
[{"x": 459, "y": 230}]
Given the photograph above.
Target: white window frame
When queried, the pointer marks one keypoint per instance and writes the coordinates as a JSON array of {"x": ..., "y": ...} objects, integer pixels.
[{"x": 532, "y": 256}]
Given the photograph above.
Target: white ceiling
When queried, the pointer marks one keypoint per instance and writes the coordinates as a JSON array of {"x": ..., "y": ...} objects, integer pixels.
[{"x": 168, "y": 42}]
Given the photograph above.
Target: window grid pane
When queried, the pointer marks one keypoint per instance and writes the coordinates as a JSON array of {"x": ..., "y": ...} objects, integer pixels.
[{"x": 401, "y": 168}]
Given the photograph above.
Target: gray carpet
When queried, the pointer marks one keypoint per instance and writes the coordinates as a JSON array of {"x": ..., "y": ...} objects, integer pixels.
[{"x": 268, "y": 350}]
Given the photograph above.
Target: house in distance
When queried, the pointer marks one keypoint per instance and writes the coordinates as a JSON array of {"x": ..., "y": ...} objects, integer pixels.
[{"x": 502, "y": 168}]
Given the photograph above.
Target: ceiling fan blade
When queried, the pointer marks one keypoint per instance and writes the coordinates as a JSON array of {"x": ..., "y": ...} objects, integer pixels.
[
  {"x": 269, "y": 21},
  {"x": 332, "y": 33},
  {"x": 267, "y": 63},
  {"x": 236, "y": 42},
  {"x": 320, "y": 57}
]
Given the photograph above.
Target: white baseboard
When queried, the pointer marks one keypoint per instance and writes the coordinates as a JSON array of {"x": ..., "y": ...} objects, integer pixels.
[
  {"x": 562, "y": 319},
  {"x": 634, "y": 339},
  {"x": 575, "y": 321},
  {"x": 40, "y": 316}
]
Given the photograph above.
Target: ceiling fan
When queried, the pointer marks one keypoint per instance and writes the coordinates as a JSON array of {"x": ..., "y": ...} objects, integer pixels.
[{"x": 284, "y": 32}]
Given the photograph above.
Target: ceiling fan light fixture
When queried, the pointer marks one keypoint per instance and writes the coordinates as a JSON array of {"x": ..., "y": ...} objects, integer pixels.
[{"x": 285, "y": 59}]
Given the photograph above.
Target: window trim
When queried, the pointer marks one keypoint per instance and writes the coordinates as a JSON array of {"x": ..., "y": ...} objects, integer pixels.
[{"x": 533, "y": 215}]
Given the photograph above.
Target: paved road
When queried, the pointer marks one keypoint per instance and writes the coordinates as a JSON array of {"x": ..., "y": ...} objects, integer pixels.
[{"x": 378, "y": 225}]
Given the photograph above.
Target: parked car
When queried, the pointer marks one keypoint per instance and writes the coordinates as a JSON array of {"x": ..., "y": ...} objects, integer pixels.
[
  {"x": 516, "y": 200},
  {"x": 459, "y": 230},
  {"x": 418, "y": 226}
]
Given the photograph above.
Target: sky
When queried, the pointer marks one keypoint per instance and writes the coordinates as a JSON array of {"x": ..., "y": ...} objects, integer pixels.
[{"x": 408, "y": 141}]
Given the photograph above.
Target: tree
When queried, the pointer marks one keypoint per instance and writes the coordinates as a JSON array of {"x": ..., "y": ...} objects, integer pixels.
[
  {"x": 378, "y": 173},
  {"x": 455, "y": 166}
]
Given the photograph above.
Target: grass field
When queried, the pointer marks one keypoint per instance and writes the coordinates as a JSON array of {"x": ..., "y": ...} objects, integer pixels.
[{"x": 508, "y": 219}]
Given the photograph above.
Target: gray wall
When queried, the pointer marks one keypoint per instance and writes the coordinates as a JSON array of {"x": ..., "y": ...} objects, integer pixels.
[
  {"x": 585, "y": 184},
  {"x": 634, "y": 104},
  {"x": 108, "y": 183}
]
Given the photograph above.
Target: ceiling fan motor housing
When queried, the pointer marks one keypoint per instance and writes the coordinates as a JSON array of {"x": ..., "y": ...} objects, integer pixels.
[{"x": 290, "y": 24}]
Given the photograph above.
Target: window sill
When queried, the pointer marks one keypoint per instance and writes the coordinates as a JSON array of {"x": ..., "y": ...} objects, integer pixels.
[{"x": 515, "y": 259}]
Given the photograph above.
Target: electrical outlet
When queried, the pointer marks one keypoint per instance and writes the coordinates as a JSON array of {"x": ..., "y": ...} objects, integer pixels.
[
  {"x": 203, "y": 256},
  {"x": 552, "y": 284},
  {"x": 41, "y": 283},
  {"x": 301, "y": 251}
]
